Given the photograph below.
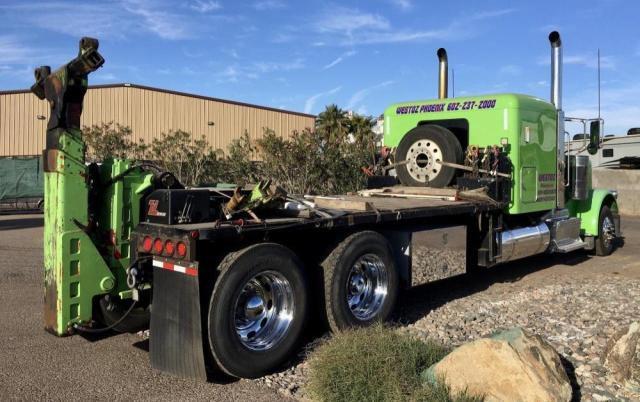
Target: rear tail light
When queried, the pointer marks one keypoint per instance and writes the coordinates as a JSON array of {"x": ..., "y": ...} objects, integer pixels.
[
  {"x": 147, "y": 244},
  {"x": 169, "y": 248},
  {"x": 158, "y": 246},
  {"x": 182, "y": 249}
]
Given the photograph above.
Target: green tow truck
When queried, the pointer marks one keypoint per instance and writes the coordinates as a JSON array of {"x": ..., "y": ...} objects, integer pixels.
[{"x": 230, "y": 279}]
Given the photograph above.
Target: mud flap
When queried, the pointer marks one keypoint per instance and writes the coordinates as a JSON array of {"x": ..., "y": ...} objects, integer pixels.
[{"x": 175, "y": 341}]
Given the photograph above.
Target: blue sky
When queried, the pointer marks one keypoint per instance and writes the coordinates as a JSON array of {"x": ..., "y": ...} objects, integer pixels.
[{"x": 302, "y": 55}]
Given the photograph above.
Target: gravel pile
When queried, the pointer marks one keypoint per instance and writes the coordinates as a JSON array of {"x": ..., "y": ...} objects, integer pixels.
[
  {"x": 430, "y": 264},
  {"x": 577, "y": 316}
]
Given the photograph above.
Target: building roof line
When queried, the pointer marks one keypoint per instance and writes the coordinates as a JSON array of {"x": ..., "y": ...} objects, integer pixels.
[{"x": 168, "y": 91}]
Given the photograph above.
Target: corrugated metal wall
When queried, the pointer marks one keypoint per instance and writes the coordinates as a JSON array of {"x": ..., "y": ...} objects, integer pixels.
[{"x": 148, "y": 112}]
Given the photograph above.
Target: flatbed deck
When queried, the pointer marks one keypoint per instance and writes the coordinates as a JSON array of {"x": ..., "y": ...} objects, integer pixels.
[{"x": 380, "y": 210}]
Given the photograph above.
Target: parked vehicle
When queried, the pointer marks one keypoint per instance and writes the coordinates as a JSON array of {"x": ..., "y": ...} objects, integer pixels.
[{"x": 235, "y": 276}]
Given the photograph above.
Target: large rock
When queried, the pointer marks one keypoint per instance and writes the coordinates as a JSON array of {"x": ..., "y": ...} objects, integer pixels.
[
  {"x": 622, "y": 356},
  {"x": 513, "y": 365}
]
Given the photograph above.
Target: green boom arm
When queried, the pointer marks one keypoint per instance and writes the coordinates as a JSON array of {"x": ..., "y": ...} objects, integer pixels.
[{"x": 86, "y": 234}]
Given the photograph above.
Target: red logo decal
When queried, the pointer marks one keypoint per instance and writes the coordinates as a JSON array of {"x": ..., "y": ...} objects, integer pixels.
[{"x": 153, "y": 208}]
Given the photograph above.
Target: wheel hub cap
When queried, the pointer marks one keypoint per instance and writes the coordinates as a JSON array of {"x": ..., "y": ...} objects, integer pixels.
[
  {"x": 367, "y": 287},
  {"x": 422, "y": 160},
  {"x": 264, "y": 310},
  {"x": 608, "y": 231}
]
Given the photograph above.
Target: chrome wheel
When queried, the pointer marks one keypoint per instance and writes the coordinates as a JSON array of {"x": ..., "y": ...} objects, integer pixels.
[
  {"x": 422, "y": 158},
  {"x": 608, "y": 231},
  {"x": 264, "y": 310},
  {"x": 367, "y": 286}
]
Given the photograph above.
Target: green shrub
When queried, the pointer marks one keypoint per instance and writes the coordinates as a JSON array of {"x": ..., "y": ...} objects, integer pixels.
[
  {"x": 327, "y": 160},
  {"x": 375, "y": 364}
]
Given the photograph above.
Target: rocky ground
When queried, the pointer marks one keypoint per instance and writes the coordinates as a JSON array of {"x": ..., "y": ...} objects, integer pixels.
[{"x": 576, "y": 302}]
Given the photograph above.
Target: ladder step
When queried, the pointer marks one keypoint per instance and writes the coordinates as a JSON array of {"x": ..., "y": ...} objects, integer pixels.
[{"x": 568, "y": 245}]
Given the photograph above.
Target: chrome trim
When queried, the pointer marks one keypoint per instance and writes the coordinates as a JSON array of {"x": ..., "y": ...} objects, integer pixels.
[
  {"x": 443, "y": 74},
  {"x": 264, "y": 310},
  {"x": 367, "y": 286},
  {"x": 523, "y": 242}
]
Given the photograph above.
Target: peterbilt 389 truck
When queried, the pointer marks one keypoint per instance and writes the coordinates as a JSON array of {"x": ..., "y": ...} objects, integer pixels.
[{"x": 230, "y": 279}]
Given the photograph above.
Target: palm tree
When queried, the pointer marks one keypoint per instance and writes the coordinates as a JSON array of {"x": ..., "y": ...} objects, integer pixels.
[
  {"x": 333, "y": 122},
  {"x": 361, "y": 126}
]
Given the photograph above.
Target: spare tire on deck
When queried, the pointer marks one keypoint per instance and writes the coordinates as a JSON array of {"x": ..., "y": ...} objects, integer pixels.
[{"x": 422, "y": 148}]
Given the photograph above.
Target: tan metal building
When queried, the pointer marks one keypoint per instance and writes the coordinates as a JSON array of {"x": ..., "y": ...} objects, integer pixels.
[{"x": 148, "y": 111}]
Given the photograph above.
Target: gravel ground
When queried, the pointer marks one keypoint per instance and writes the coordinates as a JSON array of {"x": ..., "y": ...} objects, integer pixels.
[
  {"x": 35, "y": 365},
  {"x": 576, "y": 302}
]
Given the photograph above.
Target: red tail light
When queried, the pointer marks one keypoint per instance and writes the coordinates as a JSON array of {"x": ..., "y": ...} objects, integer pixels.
[
  {"x": 158, "y": 246},
  {"x": 169, "y": 248},
  {"x": 147, "y": 244},
  {"x": 182, "y": 249}
]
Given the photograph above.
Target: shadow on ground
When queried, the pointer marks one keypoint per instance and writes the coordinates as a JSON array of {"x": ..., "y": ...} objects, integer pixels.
[
  {"x": 416, "y": 302},
  {"x": 24, "y": 223}
]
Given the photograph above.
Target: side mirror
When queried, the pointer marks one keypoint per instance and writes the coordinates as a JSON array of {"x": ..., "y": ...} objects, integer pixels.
[{"x": 595, "y": 131}]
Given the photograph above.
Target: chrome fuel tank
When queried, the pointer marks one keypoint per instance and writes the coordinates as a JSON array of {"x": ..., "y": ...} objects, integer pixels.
[{"x": 523, "y": 242}]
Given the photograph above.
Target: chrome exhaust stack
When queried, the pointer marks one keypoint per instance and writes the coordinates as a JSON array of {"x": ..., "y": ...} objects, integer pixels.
[
  {"x": 443, "y": 74},
  {"x": 556, "y": 100},
  {"x": 556, "y": 69}
]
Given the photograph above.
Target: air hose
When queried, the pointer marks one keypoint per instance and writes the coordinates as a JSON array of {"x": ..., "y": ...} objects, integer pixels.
[{"x": 105, "y": 329}]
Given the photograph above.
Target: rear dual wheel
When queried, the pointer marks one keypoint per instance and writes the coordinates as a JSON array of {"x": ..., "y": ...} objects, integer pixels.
[
  {"x": 257, "y": 310},
  {"x": 360, "y": 281}
]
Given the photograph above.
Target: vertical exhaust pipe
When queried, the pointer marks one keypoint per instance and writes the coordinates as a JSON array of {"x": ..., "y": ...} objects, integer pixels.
[
  {"x": 556, "y": 69},
  {"x": 556, "y": 100},
  {"x": 443, "y": 74}
]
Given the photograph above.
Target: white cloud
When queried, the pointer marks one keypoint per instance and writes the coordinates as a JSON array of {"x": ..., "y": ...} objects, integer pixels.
[
  {"x": 491, "y": 14},
  {"x": 110, "y": 19},
  {"x": 310, "y": 103},
  {"x": 511, "y": 69},
  {"x": 100, "y": 76},
  {"x": 589, "y": 60},
  {"x": 202, "y": 6},
  {"x": 236, "y": 72},
  {"x": 402, "y": 4},
  {"x": 268, "y": 5},
  {"x": 353, "y": 27},
  {"x": 162, "y": 23},
  {"x": 339, "y": 59},
  {"x": 619, "y": 115},
  {"x": 12, "y": 51},
  {"x": 357, "y": 98},
  {"x": 267, "y": 67},
  {"x": 282, "y": 38},
  {"x": 345, "y": 21}
]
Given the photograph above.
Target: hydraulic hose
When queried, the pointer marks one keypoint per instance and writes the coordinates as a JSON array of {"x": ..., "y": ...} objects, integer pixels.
[{"x": 105, "y": 329}]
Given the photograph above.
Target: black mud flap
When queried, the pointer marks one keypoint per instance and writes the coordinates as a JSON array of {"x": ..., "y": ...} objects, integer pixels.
[{"x": 175, "y": 341}]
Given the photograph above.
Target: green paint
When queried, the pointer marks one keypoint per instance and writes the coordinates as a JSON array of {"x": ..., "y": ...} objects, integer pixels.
[
  {"x": 73, "y": 267},
  {"x": 527, "y": 123},
  {"x": 86, "y": 252},
  {"x": 81, "y": 265},
  {"x": 589, "y": 210}
]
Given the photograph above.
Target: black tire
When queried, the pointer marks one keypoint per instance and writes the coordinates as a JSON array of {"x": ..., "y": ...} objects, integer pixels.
[
  {"x": 112, "y": 308},
  {"x": 605, "y": 244},
  {"x": 422, "y": 164},
  {"x": 337, "y": 271},
  {"x": 237, "y": 269}
]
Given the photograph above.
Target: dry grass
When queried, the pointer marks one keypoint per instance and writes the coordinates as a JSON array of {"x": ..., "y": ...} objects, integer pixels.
[{"x": 376, "y": 364}]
